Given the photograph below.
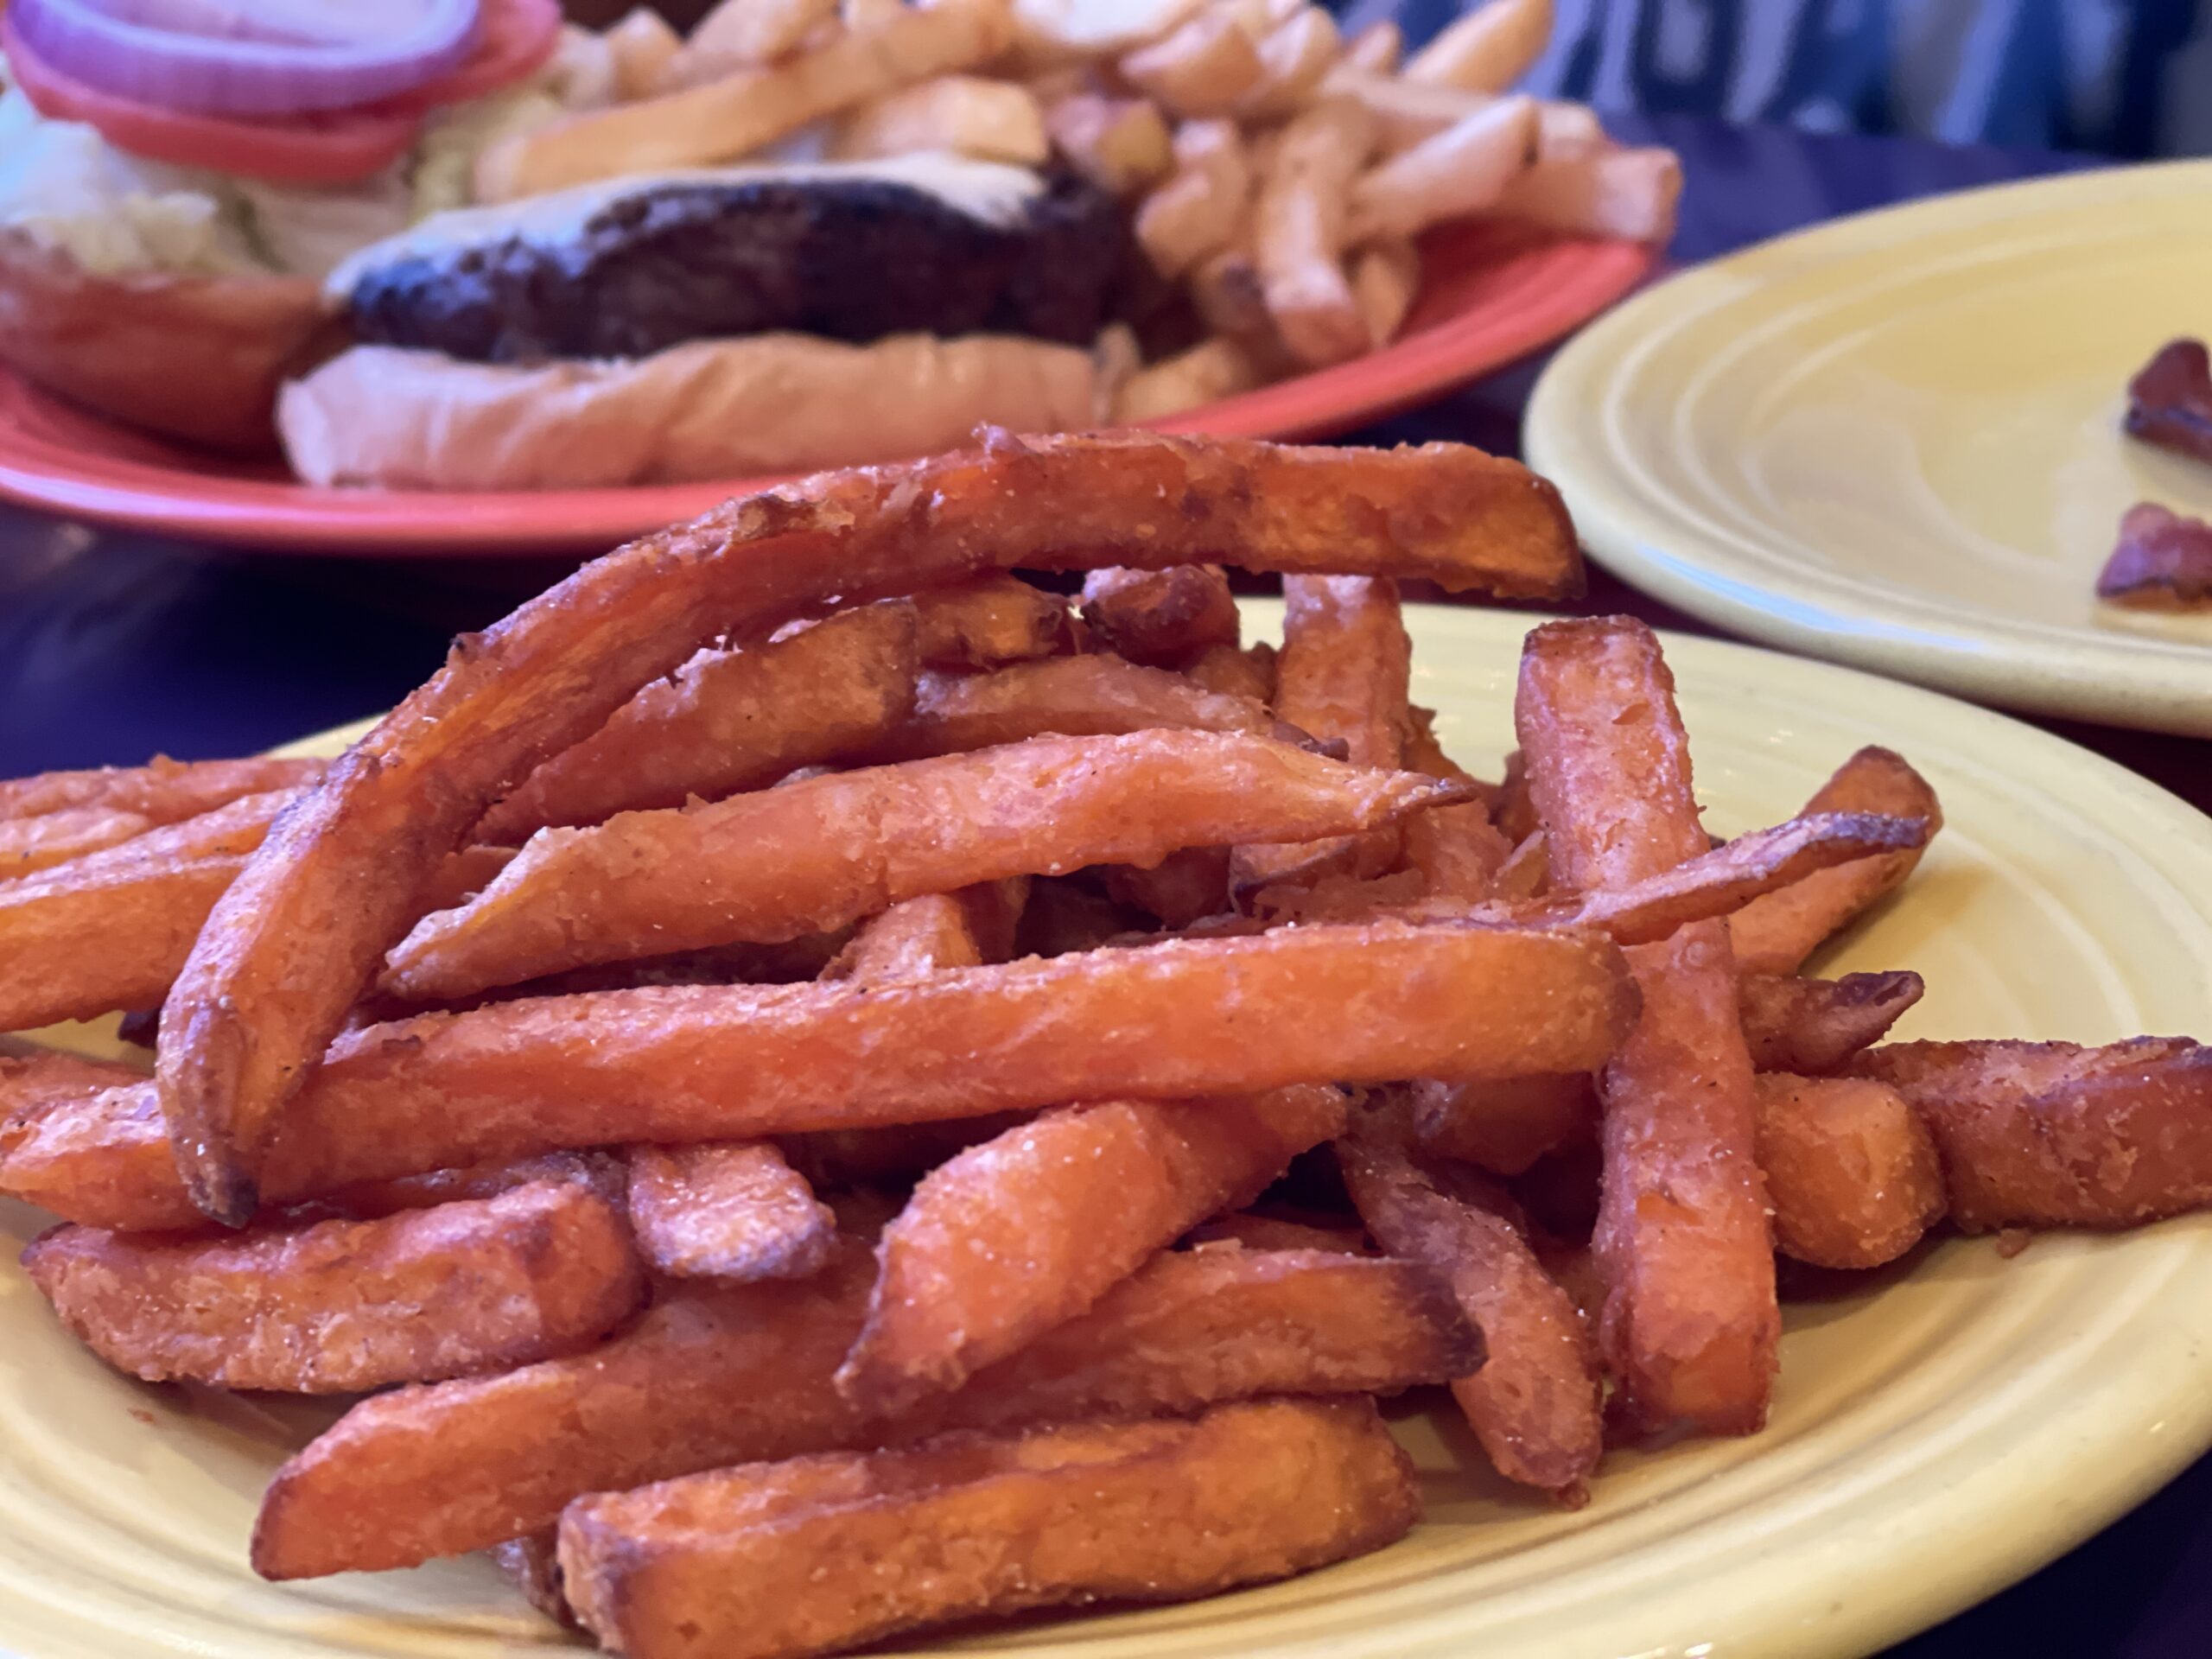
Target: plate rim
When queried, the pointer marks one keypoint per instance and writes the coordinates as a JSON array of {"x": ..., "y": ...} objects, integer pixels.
[
  {"x": 1821, "y": 1616},
  {"x": 1649, "y": 541},
  {"x": 1462, "y": 345}
]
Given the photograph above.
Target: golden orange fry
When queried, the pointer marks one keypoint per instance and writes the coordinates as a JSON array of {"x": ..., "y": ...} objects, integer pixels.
[
  {"x": 729, "y": 1209},
  {"x": 1163, "y": 618},
  {"x": 817, "y": 1554},
  {"x": 28, "y": 845},
  {"x": 163, "y": 792},
  {"x": 1852, "y": 1172},
  {"x": 1073, "y": 696},
  {"x": 336, "y": 1306}
]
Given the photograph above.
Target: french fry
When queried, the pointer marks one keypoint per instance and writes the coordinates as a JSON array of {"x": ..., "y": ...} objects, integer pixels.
[
  {"x": 730, "y": 720},
  {"x": 1537, "y": 1403},
  {"x": 1022, "y": 1233},
  {"x": 726, "y": 1210},
  {"x": 1565, "y": 131},
  {"x": 1250, "y": 674},
  {"x": 1294, "y": 57},
  {"x": 827, "y": 1553},
  {"x": 1229, "y": 297},
  {"x": 1298, "y": 232},
  {"x": 814, "y": 855},
  {"x": 532, "y": 1565},
  {"x": 605, "y": 1174},
  {"x": 336, "y": 1306},
  {"x": 1814, "y": 1026},
  {"x": 988, "y": 624},
  {"x": 1162, "y": 618},
  {"x": 1487, "y": 49},
  {"x": 39, "y": 1081},
  {"x": 1385, "y": 282},
  {"x": 1201, "y": 207},
  {"x": 736, "y": 113},
  {"x": 1246, "y": 1230},
  {"x": 712, "y": 1377},
  {"x": 1505, "y": 1126},
  {"x": 749, "y": 32},
  {"x": 1527, "y": 873},
  {"x": 163, "y": 792},
  {"x": 1852, "y": 1172},
  {"x": 294, "y": 940},
  {"x": 1182, "y": 888},
  {"x": 1056, "y": 31},
  {"x": 1204, "y": 67},
  {"x": 1462, "y": 171},
  {"x": 1457, "y": 850},
  {"x": 1174, "y": 1020},
  {"x": 1774, "y": 934},
  {"x": 966, "y": 115},
  {"x": 867, "y": 14},
  {"x": 1691, "y": 1322},
  {"x": 1120, "y": 144},
  {"x": 1630, "y": 194},
  {"x": 28, "y": 845},
  {"x": 1342, "y": 675},
  {"x": 1210, "y": 371},
  {"x": 2054, "y": 1135},
  {"x": 642, "y": 45},
  {"x": 1375, "y": 49},
  {"x": 111, "y": 930}
]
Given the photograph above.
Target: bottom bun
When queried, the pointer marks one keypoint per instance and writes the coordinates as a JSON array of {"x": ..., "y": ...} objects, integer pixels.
[
  {"x": 708, "y": 409},
  {"x": 197, "y": 358}
]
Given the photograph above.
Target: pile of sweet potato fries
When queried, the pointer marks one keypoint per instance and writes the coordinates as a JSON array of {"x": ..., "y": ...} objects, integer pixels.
[{"x": 854, "y": 1093}]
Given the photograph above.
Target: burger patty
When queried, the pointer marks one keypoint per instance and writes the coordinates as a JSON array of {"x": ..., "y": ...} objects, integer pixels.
[{"x": 850, "y": 259}]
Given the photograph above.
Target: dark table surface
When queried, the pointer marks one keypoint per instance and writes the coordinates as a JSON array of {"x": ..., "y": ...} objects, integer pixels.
[{"x": 113, "y": 647}]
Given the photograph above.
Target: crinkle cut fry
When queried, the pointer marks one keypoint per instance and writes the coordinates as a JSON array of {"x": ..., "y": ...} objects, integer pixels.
[
  {"x": 741, "y": 1373},
  {"x": 1691, "y": 1322},
  {"x": 1175, "y": 1020},
  {"x": 294, "y": 943},
  {"x": 817, "y": 1554}
]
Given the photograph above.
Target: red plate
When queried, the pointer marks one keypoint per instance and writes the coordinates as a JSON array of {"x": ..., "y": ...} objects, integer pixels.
[{"x": 1493, "y": 294}]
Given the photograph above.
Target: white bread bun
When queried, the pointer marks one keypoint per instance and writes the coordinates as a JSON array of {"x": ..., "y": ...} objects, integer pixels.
[
  {"x": 197, "y": 358},
  {"x": 708, "y": 410}
]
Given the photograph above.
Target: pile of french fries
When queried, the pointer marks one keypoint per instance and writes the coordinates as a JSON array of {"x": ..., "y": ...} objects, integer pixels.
[
  {"x": 849, "y": 1091},
  {"x": 1276, "y": 176}
]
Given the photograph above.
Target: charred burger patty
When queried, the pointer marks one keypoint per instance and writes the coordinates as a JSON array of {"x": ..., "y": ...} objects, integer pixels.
[{"x": 849, "y": 260}]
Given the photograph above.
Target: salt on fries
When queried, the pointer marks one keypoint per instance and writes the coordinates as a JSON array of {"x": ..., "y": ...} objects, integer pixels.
[
  {"x": 1262, "y": 157},
  {"x": 780, "y": 1041}
]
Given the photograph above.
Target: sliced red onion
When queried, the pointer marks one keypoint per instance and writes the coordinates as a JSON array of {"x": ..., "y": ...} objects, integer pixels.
[{"x": 250, "y": 57}]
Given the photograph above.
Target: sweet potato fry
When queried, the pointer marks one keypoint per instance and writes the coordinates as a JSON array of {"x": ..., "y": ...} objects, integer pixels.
[
  {"x": 296, "y": 941},
  {"x": 1071, "y": 696},
  {"x": 2054, "y": 1135},
  {"x": 1245, "y": 1231},
  {"x": 1814, "y": 1026},
  {"x": 1182, "y": 888},
  {"x": 333, "y": 1306},
  {"x": 988, "y": 624},
  {"x": 2162, "y": 561},
  {"x": 1505, "y": 1126},
  {"x": 814, "y": 855},
  {"x": 732, "y": 1374},
  {"x": 936, "y": 931},
  {"x": 2169, "y": 400},
  {"x": 730, "y": 720},
  {"x": 31, "y": 844},
  {"x": 1691, "y": 1322},
  {"x": 1774, "y": 934},
  {"x": 1247, "y": 673},
  {"x": 532, "y": 1564},
  {"x": 603, "y": 1172},
  {"x": 1457, "y": 850},
  {"x": 1024, "y": 1231},
  {"x": 1161, "y": 618},
  {"x": 1537, "y": 1403},
  {"x": 34, "y": 1084},
  {"x": 726, "y": 1210},
  {"x": 1343, "y": 674},
  {"x": 162, "y": 791},
  {"x": 1852, "y": 1172},
  {"x": 827, "y": 1553}
]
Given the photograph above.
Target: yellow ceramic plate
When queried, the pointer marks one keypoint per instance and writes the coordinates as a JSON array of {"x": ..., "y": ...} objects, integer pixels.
[
  {"x": 1936, "y": 1434},
  {"x": 1894, "y": 441}
]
